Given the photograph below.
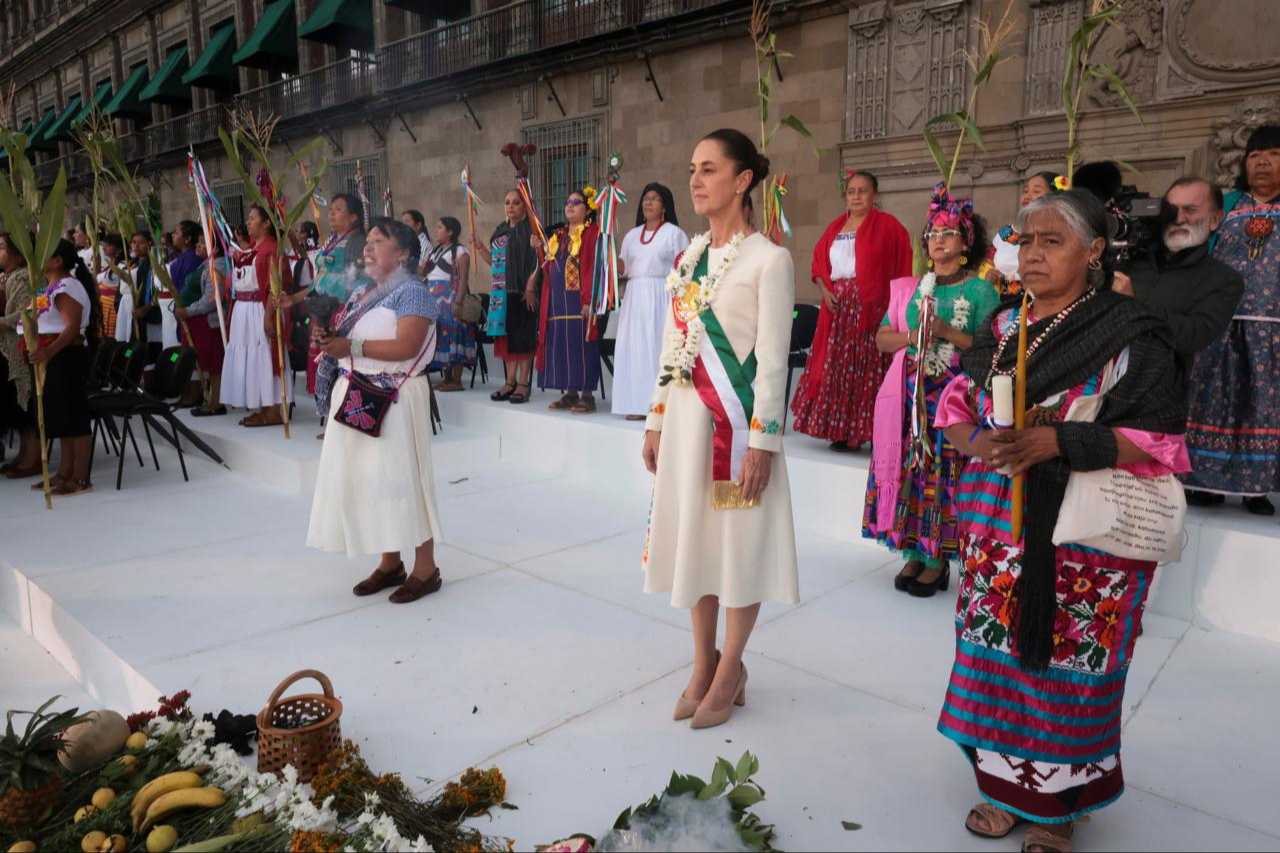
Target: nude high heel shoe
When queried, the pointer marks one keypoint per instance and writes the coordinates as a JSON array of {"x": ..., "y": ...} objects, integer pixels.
[
  {"x": 686, "y": 708},
  {"x": 705, "y": 718}
]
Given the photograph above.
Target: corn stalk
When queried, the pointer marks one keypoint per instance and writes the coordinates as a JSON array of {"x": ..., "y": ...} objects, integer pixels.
[
  {"x": 1082, "y": 70},
  {"x": 35, "y": 226},
  {"x": 249, "y": 141},
  {"x": 992, "y": 39},
  {"x": 768, "y": 58}
]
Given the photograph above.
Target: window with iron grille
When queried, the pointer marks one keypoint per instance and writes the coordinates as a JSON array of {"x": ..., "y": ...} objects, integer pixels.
[
  {"x": 231, "y": 197},
  {"x": 343, "y": 175},
  {"x": 568, "y": 157}
]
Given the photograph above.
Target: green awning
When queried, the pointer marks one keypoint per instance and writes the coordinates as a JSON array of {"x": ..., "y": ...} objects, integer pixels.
[
  {"x": 166, "y": 87},
  {"x": 347, "y": 24},
  {"x": 60, "y": 130},
  {"x": 273, "y": 44},
  {"x": 126, "y": 104},
  {"x": 214, "y": 68},
  {"x": 97, "y": 102},
  {"x": 38, "y": 142}
]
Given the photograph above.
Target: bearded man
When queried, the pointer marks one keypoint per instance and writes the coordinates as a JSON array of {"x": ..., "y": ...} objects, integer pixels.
[{"x": 1181, "y": 283}]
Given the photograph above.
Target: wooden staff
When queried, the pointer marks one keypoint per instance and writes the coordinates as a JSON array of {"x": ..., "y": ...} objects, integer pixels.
[
  {"x": 1019, "y": 419},
  {"x": 277, "y": 289}
]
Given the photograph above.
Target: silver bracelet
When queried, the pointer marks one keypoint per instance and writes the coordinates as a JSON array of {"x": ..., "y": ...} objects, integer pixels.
[{"x": 357, "y": 347}]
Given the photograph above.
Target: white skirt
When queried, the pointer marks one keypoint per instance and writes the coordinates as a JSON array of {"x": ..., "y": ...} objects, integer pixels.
[
  {"x": 168, "y": 323},
  {"x": 124, "y": 317},
  {"x": 247, "y": 378},
  {"x": 743, "y": 556},
  {"x": 377, "y": 495},
  {"x": 639, "y": 347}
]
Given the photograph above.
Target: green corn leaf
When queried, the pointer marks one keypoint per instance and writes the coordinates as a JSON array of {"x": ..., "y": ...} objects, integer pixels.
[
  {"x": 310, "y": 148},
  {"x": 969, "y": 128},
  {"x": 935, "y": 149},
  {"x": 745, "y": 796},
  {"x": 55, "y": 210},
  {"x": 16, "y": 218},
  {"x": 993, "y": 59},
  {"x": 1105, "y": 72}
]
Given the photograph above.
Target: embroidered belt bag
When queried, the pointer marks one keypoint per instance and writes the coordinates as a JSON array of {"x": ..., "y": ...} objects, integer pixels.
[
  {"x": 366, "y": 404},
  {"x": 1112, "y": 510}
]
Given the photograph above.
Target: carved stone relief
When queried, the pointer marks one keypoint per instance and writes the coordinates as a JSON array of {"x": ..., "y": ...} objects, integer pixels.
[
  {"x": 1130, "y": 45},
  {"x": 905, "y": 65},
  {"x": 1226, "y": 40},
  {"x": 1231, "y": 135}
]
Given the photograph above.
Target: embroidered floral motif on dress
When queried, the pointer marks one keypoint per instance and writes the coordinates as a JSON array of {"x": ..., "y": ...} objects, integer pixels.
[
  {"x": 769, "y": 428},
  {"x": 658, "y": 409}
]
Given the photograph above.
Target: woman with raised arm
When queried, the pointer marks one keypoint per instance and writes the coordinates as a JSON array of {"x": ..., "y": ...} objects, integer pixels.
[
  {"x": 720, "y": 529},
  {"x": 513, "y": 315}
]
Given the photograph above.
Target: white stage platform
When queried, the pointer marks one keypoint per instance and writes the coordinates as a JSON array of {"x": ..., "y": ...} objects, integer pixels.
[{"x": 543, "y": 656}]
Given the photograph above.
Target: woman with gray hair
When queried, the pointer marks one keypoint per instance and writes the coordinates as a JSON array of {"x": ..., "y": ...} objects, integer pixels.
[{"x": 1046, "y": 624}]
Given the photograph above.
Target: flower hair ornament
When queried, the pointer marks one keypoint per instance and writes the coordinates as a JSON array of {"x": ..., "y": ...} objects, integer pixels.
[
  {"x": 592, "y": 195},
  {"x": 1062, "y": 183},
  {"x": 846, "y": 175},
  {"x": 948, "y": 212}
]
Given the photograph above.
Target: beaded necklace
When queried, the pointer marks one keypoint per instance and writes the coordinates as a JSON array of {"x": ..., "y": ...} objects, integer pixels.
[
  {"x": 1035, "y": 344},
  {"x": 644, "y": 229}
]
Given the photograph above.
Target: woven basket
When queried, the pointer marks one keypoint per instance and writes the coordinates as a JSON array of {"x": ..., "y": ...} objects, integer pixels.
[{"x": 305, "y": 748}]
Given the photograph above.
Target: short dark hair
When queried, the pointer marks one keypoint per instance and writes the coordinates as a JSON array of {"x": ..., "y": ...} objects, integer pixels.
[
  {"x": 739, "y": 148},
  {"x": 417, "y": 217},
  {"x": 1264, "y": 138},
  {"x": 1215, "y": 191},
  {"x": 189, "y": 230}
]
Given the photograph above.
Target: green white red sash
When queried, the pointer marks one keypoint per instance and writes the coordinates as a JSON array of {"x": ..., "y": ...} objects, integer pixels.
[{"x": 725, "y": 386}]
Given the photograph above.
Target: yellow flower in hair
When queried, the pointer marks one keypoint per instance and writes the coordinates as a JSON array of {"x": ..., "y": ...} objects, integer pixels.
[
  {"x": 592, "y": 195},
  {"x": 1062, "y": 183}
]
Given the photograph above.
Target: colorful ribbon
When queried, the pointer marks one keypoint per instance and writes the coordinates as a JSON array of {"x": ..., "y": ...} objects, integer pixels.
[
  {"x": 388, "y": 208},
  {"x": 206, "y": 222},
  {"x": 362, "y": 194},
  {"x": 315, "y": 203},
  {"x": 222, "y": 229},
  {"x": 473, "y": 202},
  {"x": 604, "y": 294},
  {"x": 775, "y": 223},
  {"x": 526, "y": 195}
]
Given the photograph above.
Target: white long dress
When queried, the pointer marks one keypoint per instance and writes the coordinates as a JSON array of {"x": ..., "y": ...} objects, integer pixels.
[
  {"x": 744, "y": 556},
  {"x": 248, "y": 380},
  {"x": 377, "y": 495},
  {"x": 643, "y": 313}
]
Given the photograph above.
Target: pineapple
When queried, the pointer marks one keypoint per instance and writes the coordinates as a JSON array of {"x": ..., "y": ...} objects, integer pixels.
[{"x": 29, "y": 770}]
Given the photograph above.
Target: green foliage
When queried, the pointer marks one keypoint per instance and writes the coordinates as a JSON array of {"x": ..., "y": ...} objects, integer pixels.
[
  {"x": 735, "y": 783},
  {"x": 29, "y": 761}
]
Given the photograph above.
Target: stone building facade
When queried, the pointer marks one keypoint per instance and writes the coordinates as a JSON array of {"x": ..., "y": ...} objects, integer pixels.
[{"x": 426, "y": 88}]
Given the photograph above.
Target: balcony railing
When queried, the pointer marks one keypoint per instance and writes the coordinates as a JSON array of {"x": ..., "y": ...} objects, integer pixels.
[
  {"x": 343, "y": 82},
  {"x": 180, "y": 133},
  {"x": 526, "y": 26}
]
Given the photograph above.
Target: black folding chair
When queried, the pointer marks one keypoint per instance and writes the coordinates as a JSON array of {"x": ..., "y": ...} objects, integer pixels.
[
  {"x": 482, "y": 337},
  {"x": 123, "y": 379},
  {"x": 804, "y": 324}
]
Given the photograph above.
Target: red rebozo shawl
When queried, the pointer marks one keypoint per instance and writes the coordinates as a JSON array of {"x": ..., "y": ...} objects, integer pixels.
[
  {"x": 882, "y": 252},
  {"x": 586, "y": 273}
]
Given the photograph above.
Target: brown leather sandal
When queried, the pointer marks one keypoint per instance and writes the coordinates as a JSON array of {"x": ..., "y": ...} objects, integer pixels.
[
  {"x": 55, "y": 480},
  {"x": 585, "y": 406},
  {"x": 568, "y": 401},
  {"x": 413, "y": 589},
  {"x": 1000, "y": 822},
  {"x": 380, "y": 580},
  {"x": 261, "y": 420},
  {"x": 1041, "y": 839},
  {"x": 22, "y": 473},
  {"x": 69, "y": 488}
]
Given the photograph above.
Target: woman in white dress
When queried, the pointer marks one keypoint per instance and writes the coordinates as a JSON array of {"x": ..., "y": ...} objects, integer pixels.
[
  {"x": 1001, "y": 268},
  {"x": 375, "y": 493},
  {"x": 252, "y": 369},
  {"x": 720, "y": 528},
  {"x": 649, "y": 251}
]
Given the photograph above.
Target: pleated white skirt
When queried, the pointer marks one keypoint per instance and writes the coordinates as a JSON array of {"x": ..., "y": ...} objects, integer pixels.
[
  {"x": 639, "y": 346},
  {"x": 376, "y": 495},
  {"x": 247, "y": 379}
]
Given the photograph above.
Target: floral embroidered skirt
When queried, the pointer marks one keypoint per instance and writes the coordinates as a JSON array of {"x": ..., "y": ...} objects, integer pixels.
[
  {"x": 1233, "y": 427},
  {"x": 455, "y": 340},
  {"x": 925, "y": 524},
  {"x": 1044, "y": 745},
  {"x": 842, "y": 407}
]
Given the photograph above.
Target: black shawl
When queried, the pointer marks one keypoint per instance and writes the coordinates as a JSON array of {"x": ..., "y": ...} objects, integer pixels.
[
  {"x": 522, "y": 260},
  {"x": 1150, "y": 397}
]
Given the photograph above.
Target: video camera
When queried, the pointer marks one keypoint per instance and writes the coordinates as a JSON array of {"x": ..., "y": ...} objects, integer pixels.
[{"x": 1135, "y": 220}]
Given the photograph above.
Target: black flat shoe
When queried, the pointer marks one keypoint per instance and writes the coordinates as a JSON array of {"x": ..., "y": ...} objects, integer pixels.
[
  {"x": 518, "y": 398},
  {"x": 202, "y": 412},
  {"x": 1260, "y": 505},
  {"x": 929, "y": 590},
  {"x": 840, "y": 447},
  {"x": 503, "y": 394}
]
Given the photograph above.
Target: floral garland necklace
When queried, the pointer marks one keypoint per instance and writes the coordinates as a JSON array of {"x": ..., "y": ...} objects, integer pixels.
[
  {"x": 575, "y": 241},
  {"x": 940, "y": 353},
  {"x": 690, "y": 298}
]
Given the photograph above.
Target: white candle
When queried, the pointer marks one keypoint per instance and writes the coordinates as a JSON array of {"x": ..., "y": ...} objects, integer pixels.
[{"x": 1002, "y": 401}]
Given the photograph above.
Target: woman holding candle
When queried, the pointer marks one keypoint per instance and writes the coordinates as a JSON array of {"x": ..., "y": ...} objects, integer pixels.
[
  {"x": 1045, "y": 632},
  {"x": 910, "y": 507}
]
